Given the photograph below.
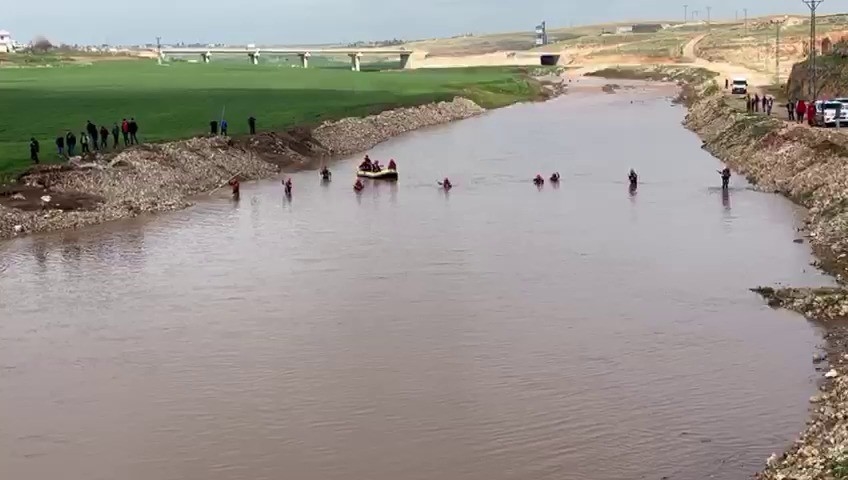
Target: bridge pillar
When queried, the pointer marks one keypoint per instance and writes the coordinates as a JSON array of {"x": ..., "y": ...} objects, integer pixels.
[
  {"x": 304, "y": 59},
  {"x": 355, "y": 61},
  {"x": 404, "y": 60}
]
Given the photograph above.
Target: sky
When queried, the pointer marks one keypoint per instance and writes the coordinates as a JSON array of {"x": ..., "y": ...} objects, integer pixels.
[{"x": 331, "y": 21}]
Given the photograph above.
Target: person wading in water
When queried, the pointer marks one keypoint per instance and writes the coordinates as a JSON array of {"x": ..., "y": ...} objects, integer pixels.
[{"x": 725, "y": 178}]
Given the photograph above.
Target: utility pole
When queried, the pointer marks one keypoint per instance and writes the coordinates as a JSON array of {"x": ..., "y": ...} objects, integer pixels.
[
  {"x": 813, "y": 5},
  {"x": 777, "y": 53},
  {"x": 709, "y": 8},
  {"x": 746, "y": 20},
  {"x": 685, "y": 13}
]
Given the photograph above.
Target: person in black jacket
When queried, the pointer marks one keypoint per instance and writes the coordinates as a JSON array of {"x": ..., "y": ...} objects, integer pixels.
[
  {"x": 104, "y": 137},
  {"x": 115, "y": 132},
  {"x": 60, "y": 145},
  {"x": 133, "y": 131},
  {"x": 33, "y": 149},
  {"x": 71, "y": 141},
  {"x": 92, "y": 134},
  {"x": 251, "y": 122}
]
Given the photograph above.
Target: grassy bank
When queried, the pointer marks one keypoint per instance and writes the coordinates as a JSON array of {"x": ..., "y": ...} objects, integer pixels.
[{"x": 179, "y": 100}]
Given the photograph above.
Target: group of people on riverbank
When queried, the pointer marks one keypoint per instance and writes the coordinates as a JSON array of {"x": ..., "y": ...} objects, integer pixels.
[
  {"x": 222, "y": 127},
  {"x": 96, "y": 139},
  {"x": 797, "y": 110},
  {"x": 756, "y": 103},
  {"x": 91, "y": 139}
]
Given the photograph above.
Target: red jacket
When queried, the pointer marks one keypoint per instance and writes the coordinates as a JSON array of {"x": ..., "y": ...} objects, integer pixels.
[
  {"x": 811, "y": 113},
  {"x": 801, "y": 107},
  {"x": 125, "y": 126}
]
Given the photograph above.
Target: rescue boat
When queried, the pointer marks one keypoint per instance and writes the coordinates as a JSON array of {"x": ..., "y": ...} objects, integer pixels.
[{"x": 384, "y": 174}]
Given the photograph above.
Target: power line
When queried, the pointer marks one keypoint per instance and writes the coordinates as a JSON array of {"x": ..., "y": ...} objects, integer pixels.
[{"x": 813, "y": 5}]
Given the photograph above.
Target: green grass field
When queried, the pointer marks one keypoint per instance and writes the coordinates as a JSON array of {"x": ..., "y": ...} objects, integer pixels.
[{"x": 178, "y": 100}]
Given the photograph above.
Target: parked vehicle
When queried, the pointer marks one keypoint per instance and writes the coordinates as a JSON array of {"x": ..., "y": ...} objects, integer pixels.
[
  {"x": 828, "y": 111},
  {"x": 739, "y": 86}
]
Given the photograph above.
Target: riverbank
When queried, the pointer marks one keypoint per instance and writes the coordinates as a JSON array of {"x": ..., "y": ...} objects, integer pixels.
[
  {"x": 177, "y": 101},
  {"x": 808, "y": 166},
  {"x": 162, "y": 177}
]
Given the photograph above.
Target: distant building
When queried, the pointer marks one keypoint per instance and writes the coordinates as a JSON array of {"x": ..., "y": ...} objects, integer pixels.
[
  {"x": 6, "y": 43},
  {"x": 624, "y": 29},
  {"x": 646, "y": 27}
]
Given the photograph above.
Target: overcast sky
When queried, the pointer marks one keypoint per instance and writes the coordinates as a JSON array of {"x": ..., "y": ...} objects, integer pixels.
[{"x": 329, "y": 21}]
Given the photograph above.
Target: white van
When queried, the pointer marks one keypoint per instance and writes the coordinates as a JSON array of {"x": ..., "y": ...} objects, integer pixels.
[
  {"x": 739, "y": 86},
  {"x": 829, "y": 111}
]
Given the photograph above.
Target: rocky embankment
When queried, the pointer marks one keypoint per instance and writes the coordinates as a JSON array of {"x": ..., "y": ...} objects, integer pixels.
[
  {"x": 161, "y": 177},
  {"x": 809, "y": 166}
]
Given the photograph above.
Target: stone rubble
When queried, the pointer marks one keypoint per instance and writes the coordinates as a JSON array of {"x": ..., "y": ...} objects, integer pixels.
[
  {"x": 162, "y": 177},
  {"x": 352, "y": 135},
  {"x": 809, "y": 166}
]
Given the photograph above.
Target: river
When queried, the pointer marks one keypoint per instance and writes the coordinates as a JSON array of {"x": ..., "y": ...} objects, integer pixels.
[{"x": 496, "y": 332}]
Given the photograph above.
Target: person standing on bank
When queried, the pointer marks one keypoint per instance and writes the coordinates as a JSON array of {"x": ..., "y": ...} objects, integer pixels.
[
  {"x": 800, "y": 110},
  {"x": 104, "y": 138},
  {"x": 92, "y": 133},
  {"x": 115, "y": 132},
  {"x": 133, "y": 131},
  {"x": 84, "y": 143},
  {"x": 251, "y": 122},
  {"x": 34, "y": 148},
  {"x": 71, "y": 140},
  {"x": 125, "y": 129},
  {"x": 60, "y": 145},
  {"x": 224, "y": 127}
]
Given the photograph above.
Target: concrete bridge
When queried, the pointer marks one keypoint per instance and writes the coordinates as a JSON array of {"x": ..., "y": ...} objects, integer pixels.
[
  {"x": 420, "y": 61},
  {"x": 254, "y": 53}
]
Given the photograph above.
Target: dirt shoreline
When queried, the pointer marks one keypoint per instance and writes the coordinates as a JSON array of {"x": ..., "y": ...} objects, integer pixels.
[
  {"x": 807, "y": 166},
  {"x": 163, "y": 177}
]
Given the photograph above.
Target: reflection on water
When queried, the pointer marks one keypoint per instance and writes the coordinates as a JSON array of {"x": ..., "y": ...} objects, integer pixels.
[{"x": 405, "y": 332}]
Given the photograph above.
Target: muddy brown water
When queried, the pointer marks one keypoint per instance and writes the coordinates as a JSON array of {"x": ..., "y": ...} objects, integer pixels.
[{"x": 498, "y": 332}]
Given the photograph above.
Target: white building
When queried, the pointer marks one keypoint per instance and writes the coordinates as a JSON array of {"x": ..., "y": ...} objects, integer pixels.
[{"x": 6, "y": 44}]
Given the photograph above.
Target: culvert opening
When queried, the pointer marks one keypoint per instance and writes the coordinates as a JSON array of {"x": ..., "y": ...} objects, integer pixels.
[{"x": 550, "y": 60}]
